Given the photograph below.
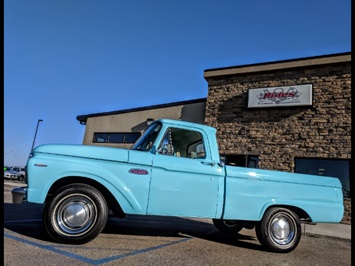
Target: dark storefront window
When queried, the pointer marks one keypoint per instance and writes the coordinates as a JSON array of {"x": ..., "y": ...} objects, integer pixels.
[
  {"x": 326, "y": 167},
  {"x": 116, "y": 137},
  {"x": 240, "y": 160}
]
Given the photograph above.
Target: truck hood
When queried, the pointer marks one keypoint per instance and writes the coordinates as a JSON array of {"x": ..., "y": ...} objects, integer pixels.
[
  {"x": 85, "y": 151},
  {"x": 279, "y": 176}
]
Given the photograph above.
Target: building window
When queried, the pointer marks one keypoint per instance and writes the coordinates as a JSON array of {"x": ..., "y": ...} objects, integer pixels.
[
  {"x": 116, "y": 137},
  {"x": 327, "y": 167},
  {"x": 240, "y": 160}
]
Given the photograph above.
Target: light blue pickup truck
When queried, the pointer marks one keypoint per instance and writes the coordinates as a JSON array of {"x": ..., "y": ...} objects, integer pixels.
[{"x": 174, "y": 169}]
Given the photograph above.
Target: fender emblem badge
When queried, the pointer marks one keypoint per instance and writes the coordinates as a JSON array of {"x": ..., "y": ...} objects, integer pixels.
[{"x": 138, "y": 171}]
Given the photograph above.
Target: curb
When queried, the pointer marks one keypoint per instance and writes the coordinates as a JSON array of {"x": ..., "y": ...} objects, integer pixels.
[{"x": 317, "y": 235}]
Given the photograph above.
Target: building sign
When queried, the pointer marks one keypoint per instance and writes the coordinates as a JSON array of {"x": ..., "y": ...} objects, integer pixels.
[{"x": 298, "y": 95}]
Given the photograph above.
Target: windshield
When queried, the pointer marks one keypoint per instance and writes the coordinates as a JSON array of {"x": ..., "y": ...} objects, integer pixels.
[{"x": 146, "y": 141}]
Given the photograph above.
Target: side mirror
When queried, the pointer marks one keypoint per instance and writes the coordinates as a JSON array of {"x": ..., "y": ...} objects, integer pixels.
[{"x": 153, "y": 149}]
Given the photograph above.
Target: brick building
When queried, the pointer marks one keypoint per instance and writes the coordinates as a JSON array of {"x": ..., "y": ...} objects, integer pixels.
[{"x": 313, "y": 138}]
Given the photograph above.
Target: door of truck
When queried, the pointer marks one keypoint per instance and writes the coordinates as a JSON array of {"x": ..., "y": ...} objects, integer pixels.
[{"x": 184, "y": 183}]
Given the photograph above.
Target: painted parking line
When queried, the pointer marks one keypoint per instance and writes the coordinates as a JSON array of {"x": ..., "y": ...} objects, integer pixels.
[
  {"x": 104, "y": 260},
  {"x": 91, "y": 261}
]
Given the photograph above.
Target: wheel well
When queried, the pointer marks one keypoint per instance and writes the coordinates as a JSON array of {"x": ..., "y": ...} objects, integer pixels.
[
  {"x": 110, "y": 199},
  {"x": 303, "y": 215}
]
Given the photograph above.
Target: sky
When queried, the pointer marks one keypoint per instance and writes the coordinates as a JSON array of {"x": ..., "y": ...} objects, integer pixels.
[{"x": 64, "y": 58}]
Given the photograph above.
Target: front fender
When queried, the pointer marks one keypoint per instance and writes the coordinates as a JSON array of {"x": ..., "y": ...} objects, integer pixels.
[{"x": 129, "y": 191}]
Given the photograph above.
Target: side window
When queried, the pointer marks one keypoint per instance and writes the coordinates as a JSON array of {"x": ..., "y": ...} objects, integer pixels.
[
  {"x": 182, "y": 143},
  {"x": 196, "y": 150}
]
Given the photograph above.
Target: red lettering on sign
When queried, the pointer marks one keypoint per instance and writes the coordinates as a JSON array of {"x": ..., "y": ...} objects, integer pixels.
[{"x": 271, "y": 95}]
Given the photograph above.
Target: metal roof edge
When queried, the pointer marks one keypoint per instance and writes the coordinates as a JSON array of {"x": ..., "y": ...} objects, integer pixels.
[
  {"x": 276, "y": 65},
  {"x": 82, "y": 118}
]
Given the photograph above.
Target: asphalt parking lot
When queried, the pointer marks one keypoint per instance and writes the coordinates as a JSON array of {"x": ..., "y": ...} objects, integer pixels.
[{"x": 140, "y": 240}]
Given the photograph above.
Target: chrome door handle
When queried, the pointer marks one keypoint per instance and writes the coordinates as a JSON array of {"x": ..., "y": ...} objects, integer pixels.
[{"x": 208, "y": 163}]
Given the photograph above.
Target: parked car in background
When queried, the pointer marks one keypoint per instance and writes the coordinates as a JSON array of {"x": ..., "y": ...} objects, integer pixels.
[
  {"x": 20, "y": 172},
  {"x": 10, "y": 174}
]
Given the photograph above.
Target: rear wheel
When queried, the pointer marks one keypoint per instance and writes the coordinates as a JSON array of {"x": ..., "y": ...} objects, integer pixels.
[
  {"x": 279, "y": 230},
  {"x": 75, "y": 214},
  {"x": 227, "y": 226}
]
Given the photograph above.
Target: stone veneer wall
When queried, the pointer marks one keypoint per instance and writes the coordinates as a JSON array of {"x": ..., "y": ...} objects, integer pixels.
[
  {"x": 347, "y": 212},
  {"x": 278, "y": 135}
]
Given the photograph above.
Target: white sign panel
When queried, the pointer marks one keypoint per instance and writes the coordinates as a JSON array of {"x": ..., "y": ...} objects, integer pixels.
[{"x": 298, "y": 95}]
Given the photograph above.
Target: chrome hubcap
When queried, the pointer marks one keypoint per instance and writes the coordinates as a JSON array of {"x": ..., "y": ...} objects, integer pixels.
[
  {"x": 282, "y": 230},
  {"x": 75, "y": 215}
]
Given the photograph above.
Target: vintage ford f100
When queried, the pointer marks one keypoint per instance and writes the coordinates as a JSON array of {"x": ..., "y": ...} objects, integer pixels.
[{"x": 174, "y": 169}]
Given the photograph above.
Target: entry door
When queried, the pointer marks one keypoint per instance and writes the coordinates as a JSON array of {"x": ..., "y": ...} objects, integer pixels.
[{"x": 184, "y": 187}]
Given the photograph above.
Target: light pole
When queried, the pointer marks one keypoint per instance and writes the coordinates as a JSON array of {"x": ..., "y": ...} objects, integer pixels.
[{"x": 34, "y": 138}]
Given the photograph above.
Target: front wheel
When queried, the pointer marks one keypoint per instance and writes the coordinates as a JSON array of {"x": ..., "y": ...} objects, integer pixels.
[
  {"x": 227, "y": 226},
  {"x": 76, "y": 214},
  {"x": 279, "y": 230}
]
